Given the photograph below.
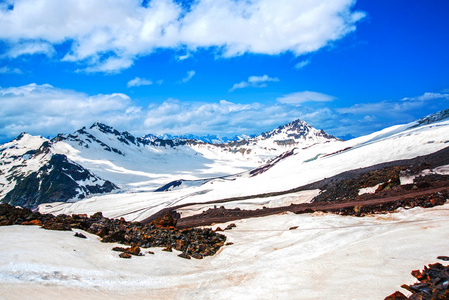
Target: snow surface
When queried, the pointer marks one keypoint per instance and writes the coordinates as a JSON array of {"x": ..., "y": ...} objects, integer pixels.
[
  {"x": 369, "y": 190},
  {"x": 306, "y": 165},
  {"x": 326, "y": 257}
]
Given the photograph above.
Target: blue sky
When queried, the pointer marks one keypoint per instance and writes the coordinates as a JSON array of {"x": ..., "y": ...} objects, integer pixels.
[{"x": 222, "y": 67}]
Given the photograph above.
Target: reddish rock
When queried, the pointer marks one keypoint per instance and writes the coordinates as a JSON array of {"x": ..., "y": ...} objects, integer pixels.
[
  {"x": 180, "y": 244},
  {"x": 150, "y": 252},
  {"x": 218, "y": 229},
  {"x": 230, "y": 226},
  {"x": 396, "y": 296},
  {"x": 118, "y": 249},
  {"x": 197, "y": 255},
  {"x": 134, "y": 250},
  {"x": 32, "y": 222},
  {"x": 125, "y": 255},
  {"x": 418, "y": 275},
  {"x": 184, "y": 255},
  {"x": 166, "y": 220},
  {"x": 167, "y": 249},
  {"x": 293, "y": 228}
]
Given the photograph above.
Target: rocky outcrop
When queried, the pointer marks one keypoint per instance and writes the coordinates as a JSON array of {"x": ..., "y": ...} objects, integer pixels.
[
  {"x": 433, "y": 283},
  {"x": 195, "y": 242}
]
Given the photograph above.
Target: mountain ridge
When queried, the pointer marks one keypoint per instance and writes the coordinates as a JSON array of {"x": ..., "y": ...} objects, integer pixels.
[{"x": 99, "y": 154}]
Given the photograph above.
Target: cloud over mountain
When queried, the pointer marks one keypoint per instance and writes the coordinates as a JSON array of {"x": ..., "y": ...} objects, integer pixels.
[{"x": 107, "y": 36}]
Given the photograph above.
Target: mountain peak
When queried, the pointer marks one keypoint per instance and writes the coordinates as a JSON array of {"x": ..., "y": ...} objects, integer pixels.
[
  {"x": 104, "y": 128},
  {"x": 297, "y": 129}
]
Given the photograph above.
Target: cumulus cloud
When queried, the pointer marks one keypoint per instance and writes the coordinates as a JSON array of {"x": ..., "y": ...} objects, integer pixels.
[
  {"x": 139, "y": 82},
  {"x": 107, "y": 36},
  {"x": 306, "y": 96},
  {"x": 188, "y": 77},
  {"x": 254, "y": 81},
  {"x": 47, "y": 110}
]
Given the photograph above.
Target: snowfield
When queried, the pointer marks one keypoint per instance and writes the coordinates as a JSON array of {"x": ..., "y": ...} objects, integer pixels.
[
  {"x": 306, "y": 165},
  {"x": 327, "y": 257}
]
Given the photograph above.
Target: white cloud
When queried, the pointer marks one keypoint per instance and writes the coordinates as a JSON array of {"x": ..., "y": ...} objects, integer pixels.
[
  {"x": 302, "y": 64},
  {"x": 47, "y": 110},
  {"x": 403, "y": 106},
  {"x": 139, "y": 82},
  {"x": 254, "y": 81},
  {"x": 124, "y": 30},
  {"x": 30, "y": 48},
  {"x": 306, "y": 96},
  {"x": 189, "y": 76},
  {"x": 8, "y": 70}
]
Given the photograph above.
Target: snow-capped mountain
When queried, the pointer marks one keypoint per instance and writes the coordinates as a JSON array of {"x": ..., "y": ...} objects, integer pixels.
[
  {"x": 210, "y": 138},
  {"x": 278, "y": 182},
  {"x": 106, "y": 159},
  {"x": 30, "y": 174}
]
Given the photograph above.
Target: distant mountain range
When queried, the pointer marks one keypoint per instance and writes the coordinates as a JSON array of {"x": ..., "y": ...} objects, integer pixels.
[{"x": 100, "y": 159}]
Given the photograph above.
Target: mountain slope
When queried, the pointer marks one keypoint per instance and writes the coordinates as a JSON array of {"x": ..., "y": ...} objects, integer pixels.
[
  {"x": 100, "y": 159},
  {"x": 30, "y": 174},
  {"x": 301, "y": 167}
]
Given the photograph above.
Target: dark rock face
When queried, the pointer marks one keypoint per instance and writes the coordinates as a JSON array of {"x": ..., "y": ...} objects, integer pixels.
[
  {"x": 196, "y": 242},
  {"x": 56, "y": 181}
]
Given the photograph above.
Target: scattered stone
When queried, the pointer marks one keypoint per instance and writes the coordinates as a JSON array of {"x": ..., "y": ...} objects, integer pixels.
[
  {"x": 134, "y": 249},
  {"x": 229, "y": 244},
  {"x": 118, "y": 249},
  {"x": 125, "y": 255},
  {"x": 230, "y": 226},
  {"x": 197, "y": 255},
  {"x": 203, "y": 241},
  {"x": 184, "y": 255},
  {"x": 167, "y": 249},
  {"x": 445, "y": 258},
  {"x": 293, "y": 228},
  {"x": 80, "y": 235},
  {"x": 150, "y": 252},
  {"x": 218, "y": 229}
]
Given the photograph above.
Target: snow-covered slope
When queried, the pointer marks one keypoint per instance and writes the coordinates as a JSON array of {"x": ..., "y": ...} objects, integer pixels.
[
  {"x": 327, "y": 257},
  {"x": 305, "y": 165}
]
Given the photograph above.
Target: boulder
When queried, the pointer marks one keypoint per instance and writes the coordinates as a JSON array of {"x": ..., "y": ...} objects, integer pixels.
[{"x": 80, "y": 235}]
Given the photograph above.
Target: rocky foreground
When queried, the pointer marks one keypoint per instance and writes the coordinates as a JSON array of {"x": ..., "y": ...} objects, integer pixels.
[
  {"x": 196, "y": 242},
  {"x": 432, "y": 284}
]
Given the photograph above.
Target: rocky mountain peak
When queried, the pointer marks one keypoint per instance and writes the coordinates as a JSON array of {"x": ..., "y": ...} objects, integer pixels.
[{"x": 297, "y": 129}]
